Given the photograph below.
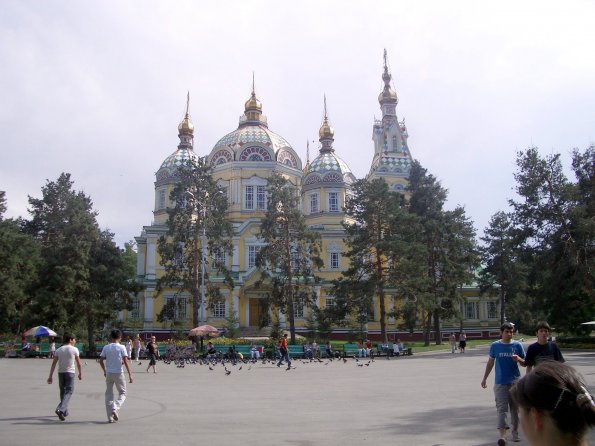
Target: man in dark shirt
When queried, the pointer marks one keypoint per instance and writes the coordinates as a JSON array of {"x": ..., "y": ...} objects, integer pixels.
[{"x": 543, "y": 349}]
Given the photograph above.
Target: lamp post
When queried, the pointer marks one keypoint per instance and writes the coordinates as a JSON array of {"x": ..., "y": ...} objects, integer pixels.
[{"x": 202, "y": 262}]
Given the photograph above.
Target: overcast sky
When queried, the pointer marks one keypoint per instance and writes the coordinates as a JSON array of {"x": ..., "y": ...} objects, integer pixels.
[{"x": 97, "y": 89}]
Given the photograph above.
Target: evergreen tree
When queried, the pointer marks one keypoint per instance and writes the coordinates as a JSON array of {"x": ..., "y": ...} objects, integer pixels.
[
  {"x": 64, "y": 224},
  {"x": 19, "y": 263},
  {"x": 451, "y": 254},
  {"x": 555, "y": 218},
  {"x": 291, "y": 253},
  {"x": 383, "y": 249},
  {"x": 197, "y": 229}
]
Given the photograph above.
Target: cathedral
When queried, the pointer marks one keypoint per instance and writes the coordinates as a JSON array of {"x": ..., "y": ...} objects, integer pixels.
[{"x": 241, "y": 162}]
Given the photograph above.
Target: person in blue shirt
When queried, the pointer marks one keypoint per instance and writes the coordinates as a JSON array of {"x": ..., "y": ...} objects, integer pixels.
[{"x": 504, "y": 355}]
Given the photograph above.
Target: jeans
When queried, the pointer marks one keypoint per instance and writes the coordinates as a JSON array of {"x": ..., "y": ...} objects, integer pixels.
[
  {"x": 119, "y": 381},
  {"x": 284, "y": 355},
  {"x": 503, "y": 403},
  {"x": 66, "y": 385}
]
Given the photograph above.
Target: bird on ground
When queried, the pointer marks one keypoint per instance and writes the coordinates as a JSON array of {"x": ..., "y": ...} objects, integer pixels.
[
  {"x": 227, "y": 372},
  {"x": 360, "y": 365},
  {"x": 211, "y": 368}
]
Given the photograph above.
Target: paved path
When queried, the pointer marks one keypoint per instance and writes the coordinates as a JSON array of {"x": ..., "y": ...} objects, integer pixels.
[{"x": 425, "y": 400}]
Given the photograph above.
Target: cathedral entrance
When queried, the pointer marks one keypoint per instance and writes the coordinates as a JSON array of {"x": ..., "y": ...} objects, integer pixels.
[{"x": 254, "y": 312}]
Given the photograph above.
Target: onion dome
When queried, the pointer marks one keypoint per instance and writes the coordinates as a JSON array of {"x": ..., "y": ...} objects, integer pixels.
[
  {"x": 327, "y": 167},
  {"x": 253, "y": 141},
  {"x": 184, "y": 152},
  {"x": 186, "y": 127},
  {"x": 388, "y": 94}
]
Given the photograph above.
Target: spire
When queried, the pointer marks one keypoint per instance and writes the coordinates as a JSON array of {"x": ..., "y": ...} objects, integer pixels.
[
  {"x": 253, "y": 109},
  {"x": 388, "y": 94},
  {"x": 326, "y": 133},
  {"x": 307, "y": 165},
  {"x": 186, "y": 128}
]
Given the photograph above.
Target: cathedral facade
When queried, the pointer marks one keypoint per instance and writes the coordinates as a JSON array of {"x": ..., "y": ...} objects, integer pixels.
[{"x": 241, "y": 162}]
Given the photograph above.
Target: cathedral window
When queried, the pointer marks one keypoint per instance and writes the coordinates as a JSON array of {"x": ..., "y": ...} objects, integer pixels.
[
  {"x": 252, "y": 252},
  {"x": 329, "y": 301},
  {"x": 219, "y": 309},
  {"x": 471, "y": 310},
  {"x": 255, "y": 196},
  {"x": 298, "y": 307},
  {"x": 334, "y": 260},
  {"x": 313, "y": 203},
  {"x": 219, "y": 258},
  {"x": 134, "y": 312},
  {"x": 333, "y": 202},
  {"x": 395, "y": 146},
  {"x": 255, "y": 153},
  {"x": 492, "y": 310},
  {"x": 161, "y": 200}
]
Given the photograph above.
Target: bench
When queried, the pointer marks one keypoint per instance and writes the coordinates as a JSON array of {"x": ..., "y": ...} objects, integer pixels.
[
  {"x": 245, "y": 350},
  {"x": 350, "y": 350}
]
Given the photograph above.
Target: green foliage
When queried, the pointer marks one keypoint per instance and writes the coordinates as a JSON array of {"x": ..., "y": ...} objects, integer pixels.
[
  {"x": 291, "y": 254},
  {"x": 198, "y": 230},
  {"x": 555, "y": 219},
  {"x": 19, "y": 264},
  {"x": 384, "y": 250},
  {"x": 2, "y": 204},
  {"x": 232, "y": 322},
  {"x": 450, "y": 250},
  {"x": 83, "y": 278}
]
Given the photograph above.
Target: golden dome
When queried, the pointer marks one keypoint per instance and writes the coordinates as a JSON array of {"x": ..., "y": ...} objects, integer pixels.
[
  {"x": 326, "y": 131},
  {"x": 388, "y": 94},
  {"x": 253, "y": 103},
  {"x": 186, "y": 126}
]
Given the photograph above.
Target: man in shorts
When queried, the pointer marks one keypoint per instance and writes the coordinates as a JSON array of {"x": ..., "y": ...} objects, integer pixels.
[
  {"x": 507, "y": 372},
  {"x": 66, "y": 356}
]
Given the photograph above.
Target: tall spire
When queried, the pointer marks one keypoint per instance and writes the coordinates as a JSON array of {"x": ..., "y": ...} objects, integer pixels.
[
  {"x": 326, "y": 133},
  {"x": 388, "y": 97},
  {"x": 186, "y": 128},
  {"x": 253, "y": 109}
]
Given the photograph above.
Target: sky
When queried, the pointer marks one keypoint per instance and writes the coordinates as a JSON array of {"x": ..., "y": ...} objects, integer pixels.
[{"x": 97, "y": 88}]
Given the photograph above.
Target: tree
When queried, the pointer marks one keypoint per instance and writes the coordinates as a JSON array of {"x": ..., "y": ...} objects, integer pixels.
[
  {"x": 111, "y": 284},
  {"x": 84, "y": 279},
  {"x": 19, "y": 263},
  {"x": 2, "y": 204},
  {"x": 197, "y": 229},
  {"x": 555, "y": 218},
  {"x": 501, "y": 257},
  {"x": 451, "y": 254},
  {"x": 291, "y": 253},
  {"x": 64, "y": 224},
  {"x": 383, "y": 248}
]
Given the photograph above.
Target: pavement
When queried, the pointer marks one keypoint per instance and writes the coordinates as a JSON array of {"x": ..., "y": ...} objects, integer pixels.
[{"x": 432, "y": 399}]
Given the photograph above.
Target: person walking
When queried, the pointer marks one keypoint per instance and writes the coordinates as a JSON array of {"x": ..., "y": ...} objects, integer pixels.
[
  {"x": 153, "y": 352},
  {"x": 136, "y": 346},
  {"x": 111, "y": 359},
  {"x": 52, "y": 348},
  {"x": 542, "y": 350},
  {"x": 284, "y": 351},
  {"x": 453, "y": 342},
  {"x": 555, "y": 406},
  {"x": 462, "y": 342},
  {"x": 66, "y": 357},
  {"x": 129, "y": 347},
  {"x": 507, "y": 372}
]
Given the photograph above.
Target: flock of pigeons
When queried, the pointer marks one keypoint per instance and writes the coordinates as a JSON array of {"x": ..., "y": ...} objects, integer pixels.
[{"x": 216, "y": 362}]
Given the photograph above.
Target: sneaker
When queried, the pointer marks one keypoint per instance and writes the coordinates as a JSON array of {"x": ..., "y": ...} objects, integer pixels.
[
  {"x": 60, "y": 415},
  {"x": 515, "y": 436},
  {"x": 502, "y": 442},
  {"x": 115, "y": 415},
  {"x": 288, "y": 368}
]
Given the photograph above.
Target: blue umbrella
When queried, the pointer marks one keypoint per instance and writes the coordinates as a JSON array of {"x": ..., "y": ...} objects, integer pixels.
[{"x": 40, "y": 330}]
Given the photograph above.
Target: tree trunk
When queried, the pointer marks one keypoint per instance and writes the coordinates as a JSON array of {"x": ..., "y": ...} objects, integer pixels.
[
  {"x": 427, "y": 328},
  {"x": 195, "y": 289},
  {"x": 290, "y": 303},
  {"x": 437, "y": 326}
]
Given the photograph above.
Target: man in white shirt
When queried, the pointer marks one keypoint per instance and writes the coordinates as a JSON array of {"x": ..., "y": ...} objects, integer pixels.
[
  {"x": 65, "y": 357},
  {"x": 111, "y": 359}
]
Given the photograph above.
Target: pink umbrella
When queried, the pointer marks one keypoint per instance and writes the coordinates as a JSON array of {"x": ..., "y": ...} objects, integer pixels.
[{"x": 204, "y": 331}]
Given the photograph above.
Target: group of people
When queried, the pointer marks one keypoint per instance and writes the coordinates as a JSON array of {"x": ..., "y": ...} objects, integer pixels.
[
  {"x": 555, "y": 406},
  {"x": 113, "y": 359},
  {"x": 461, "y": 344}
]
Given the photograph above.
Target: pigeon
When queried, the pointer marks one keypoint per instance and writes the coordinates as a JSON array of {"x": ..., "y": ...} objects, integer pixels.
[
  {"x": 227, "y": 372},
  {"x": 360, "y": 365},
  {"x": 211, "y": 368},
  {"x": 240, "y": 368}
]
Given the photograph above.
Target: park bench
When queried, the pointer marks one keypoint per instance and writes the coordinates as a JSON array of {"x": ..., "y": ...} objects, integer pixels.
[
  {"x": 244, "y": 349},
  {"x": 295, "y": 351},
  {"x": 350, "y": 350}
]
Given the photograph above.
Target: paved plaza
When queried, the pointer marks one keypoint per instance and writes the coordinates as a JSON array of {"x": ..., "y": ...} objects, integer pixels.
[{"x": 426, "y": 400}]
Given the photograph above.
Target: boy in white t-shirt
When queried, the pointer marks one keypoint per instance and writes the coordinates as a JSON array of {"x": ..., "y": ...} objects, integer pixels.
[
  {"x": 111, "y": 359},
  {"x": 66, "y": 356}
]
